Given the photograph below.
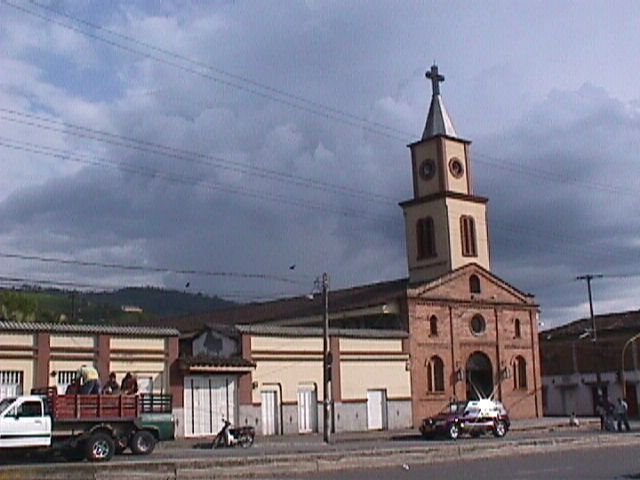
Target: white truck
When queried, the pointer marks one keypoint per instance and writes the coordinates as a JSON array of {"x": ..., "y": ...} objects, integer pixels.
[{"x": 80, "y": 426}]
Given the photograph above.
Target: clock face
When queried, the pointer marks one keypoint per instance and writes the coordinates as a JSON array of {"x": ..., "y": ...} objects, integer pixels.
[
  {"x": 456, "y": 168},
  {"x": 427, "y": 169}
]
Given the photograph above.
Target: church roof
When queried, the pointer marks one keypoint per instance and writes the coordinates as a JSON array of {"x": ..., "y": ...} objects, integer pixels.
[
  {"x": 438, "y": 120},
  {"x": 288, "y": 308}
]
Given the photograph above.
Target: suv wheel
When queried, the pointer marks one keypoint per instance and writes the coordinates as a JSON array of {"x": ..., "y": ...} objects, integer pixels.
[
  {"x": 499, "y": 429},
  {"x": 454, "y": 431}
]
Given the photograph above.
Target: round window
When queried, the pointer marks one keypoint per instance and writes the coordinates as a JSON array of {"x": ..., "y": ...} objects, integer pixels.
[
  {"x": 478, "y": 325},
  {"x": 455, "y": 167}
]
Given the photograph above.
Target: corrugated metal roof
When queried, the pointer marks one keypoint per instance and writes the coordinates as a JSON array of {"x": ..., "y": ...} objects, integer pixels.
[
  {"x": 606, "y": 324},
  {"x": 276, "y": 331},
  {"x": 9, "y": 326},
  {"x": 210, "y": 361}
]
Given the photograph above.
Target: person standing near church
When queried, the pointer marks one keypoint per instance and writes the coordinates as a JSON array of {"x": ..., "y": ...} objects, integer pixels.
[{"x": 622, "y": 409}]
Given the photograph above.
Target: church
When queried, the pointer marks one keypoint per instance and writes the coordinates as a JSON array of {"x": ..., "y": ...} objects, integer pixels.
[
  {"x": 471, "y": 333},
  {"x": 451, "y": 330}
]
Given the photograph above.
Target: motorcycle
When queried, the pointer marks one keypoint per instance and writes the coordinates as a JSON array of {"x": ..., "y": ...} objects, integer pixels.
[{"x": 232, "y": 437}]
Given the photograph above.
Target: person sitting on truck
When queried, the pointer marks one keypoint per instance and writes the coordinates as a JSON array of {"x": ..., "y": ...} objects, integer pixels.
[
  {"x": 73, "y": 388},
  {"x": 90, "y": 380},
  {"x": 111, "y": 387},
  {"x": 129, "y": 384}
]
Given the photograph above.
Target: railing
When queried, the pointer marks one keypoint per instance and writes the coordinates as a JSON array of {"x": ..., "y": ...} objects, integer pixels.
[{"x": 90, "y": 407}]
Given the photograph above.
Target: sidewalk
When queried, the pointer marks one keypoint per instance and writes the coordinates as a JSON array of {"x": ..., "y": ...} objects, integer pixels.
[{"x": 534, "y": 424}]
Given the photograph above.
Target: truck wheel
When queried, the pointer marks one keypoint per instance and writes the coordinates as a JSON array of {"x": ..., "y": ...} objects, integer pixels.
[
  {"x": 99, "y": 448},
  {"x": 143, "y": 442}
]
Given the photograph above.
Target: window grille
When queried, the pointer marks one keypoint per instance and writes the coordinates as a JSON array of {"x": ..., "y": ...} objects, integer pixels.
[{"x": 11, "y": 383}]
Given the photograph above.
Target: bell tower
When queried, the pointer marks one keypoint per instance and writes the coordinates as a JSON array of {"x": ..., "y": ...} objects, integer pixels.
[{"x": 446, "y": 224}]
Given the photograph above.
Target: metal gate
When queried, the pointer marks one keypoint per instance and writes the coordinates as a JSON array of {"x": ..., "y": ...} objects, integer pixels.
[{"x": 207, "y": 400}]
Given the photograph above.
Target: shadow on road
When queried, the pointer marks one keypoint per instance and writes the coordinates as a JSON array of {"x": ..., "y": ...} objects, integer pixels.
[{"x": 408, "y": 437}]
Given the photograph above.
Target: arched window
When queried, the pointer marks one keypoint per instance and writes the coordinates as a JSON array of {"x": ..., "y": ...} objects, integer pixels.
[
  {"x": 468, "y": 236},
  {"x": 426, "y": 238},
  {"x": 433, "y": 326},
  {"x": 520, "y": 373},
  {"x": 474, "y": 284},
  {"x": 517, "y": 329},
  {"x": 435, "y": 375}
]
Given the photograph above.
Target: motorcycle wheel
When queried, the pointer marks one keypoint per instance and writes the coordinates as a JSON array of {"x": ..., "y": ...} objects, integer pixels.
[{"x": 245, "y": 441}]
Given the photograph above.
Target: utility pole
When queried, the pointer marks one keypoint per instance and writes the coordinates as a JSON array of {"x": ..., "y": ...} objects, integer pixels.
[
  {"x": 326, "y": 361},
  {"x": 588, "y": 278},
  {"x": 594, "y": 332}
]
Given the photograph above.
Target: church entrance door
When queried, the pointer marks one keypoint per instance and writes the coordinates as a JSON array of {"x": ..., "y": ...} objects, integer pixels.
[{"x": 479, "y": 376}]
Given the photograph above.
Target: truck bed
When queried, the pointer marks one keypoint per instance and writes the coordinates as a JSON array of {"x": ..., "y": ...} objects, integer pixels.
[{"x": 102, "y": 407}]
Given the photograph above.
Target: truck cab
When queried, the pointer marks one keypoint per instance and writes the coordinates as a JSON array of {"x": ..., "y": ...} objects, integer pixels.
[{"x": 24, "y": 423}]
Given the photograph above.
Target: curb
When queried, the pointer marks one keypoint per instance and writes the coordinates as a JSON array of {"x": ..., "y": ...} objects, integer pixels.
[{"x": 276, "y": 464}]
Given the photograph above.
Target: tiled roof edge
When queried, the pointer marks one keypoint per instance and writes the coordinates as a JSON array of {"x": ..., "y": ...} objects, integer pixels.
[{"x": 10, "y": 326}]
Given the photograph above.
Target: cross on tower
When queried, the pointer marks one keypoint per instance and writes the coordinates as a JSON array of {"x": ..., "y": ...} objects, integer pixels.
[{"x": 435, "y": 78}]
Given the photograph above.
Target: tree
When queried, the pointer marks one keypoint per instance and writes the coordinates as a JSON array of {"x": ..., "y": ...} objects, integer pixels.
[{"x": 18, "y": 307}]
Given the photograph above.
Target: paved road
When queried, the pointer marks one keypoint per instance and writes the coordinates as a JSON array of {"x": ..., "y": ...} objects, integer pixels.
[
  {"x": 274, "y": 457},
  {"x": 603, "y": 463}
]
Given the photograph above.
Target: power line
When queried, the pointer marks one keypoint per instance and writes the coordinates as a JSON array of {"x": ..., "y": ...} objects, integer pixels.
[
  {"x": 219, "y": 70},
  {"x": 180, "y": 154},
  {"x": 219, "y": 162},
  {"x": 151, "y": 269},
  {"x": 287, "y": 99},
  {"x": 550, "y": 176},
  {"x": 182, "y": 179},
  {"x": 320, "y": 109},
  {"x": 196, "y": 181}
]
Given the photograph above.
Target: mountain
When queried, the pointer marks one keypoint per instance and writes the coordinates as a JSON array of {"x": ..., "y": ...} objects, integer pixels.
[{"x": 125, "y": 306}]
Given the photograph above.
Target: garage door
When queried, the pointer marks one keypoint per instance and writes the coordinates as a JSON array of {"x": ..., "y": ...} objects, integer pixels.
[{"x": 207, "y": 400}]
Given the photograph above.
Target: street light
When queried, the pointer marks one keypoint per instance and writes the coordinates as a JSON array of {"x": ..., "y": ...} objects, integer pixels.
[{"x": 622, "y": 377}]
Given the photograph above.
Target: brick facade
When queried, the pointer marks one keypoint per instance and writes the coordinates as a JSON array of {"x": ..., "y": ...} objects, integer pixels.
[{"x": 454, "y": 342}]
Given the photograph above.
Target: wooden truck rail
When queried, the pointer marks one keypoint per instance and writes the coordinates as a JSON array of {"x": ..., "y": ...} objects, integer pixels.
[{"x": 102, "y": 407}]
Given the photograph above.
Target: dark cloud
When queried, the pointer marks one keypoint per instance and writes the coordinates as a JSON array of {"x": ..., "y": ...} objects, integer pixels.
[
  {"x": 563, "y": 204},
  {"x": 245, "y": 138}
]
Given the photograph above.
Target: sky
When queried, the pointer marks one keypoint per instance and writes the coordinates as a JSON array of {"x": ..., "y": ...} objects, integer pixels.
[{"x": 242, "y": 148}]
